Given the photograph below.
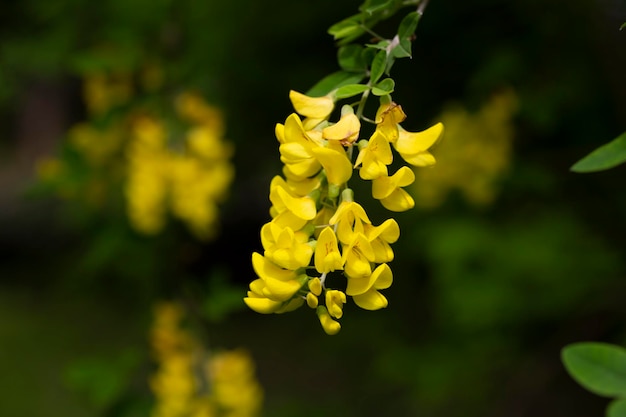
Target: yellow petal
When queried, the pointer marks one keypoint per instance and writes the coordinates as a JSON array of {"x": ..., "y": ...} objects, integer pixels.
[
  {"x": 327, "y": 256},
  {"x": 314, "y": 107},
  {"x": 345, "y": 130},
  {"x": 337, "y": 166},
  {"x": 381, "y": 278},
  {"x": 383, "y": 187},
  {"x": 370, "y": 300},
  {"x": 422, "y": 159},
  {"x": 384, "y": 277},
  {"x": 262, "y": 305},
  {"x": 279, "y": 130},
  {"x": 329, "y": 325},
  {"x": 335, "y": 300},
  {"x": 398, "y": 201},
  {"x": 280, "y": 290},
  {"x": 265, "y": 269},
  {"x": 389, "y": 231},
  {"x": 414, "y": 142},
  {"x": 311, "y": 300},
  {"x": 315, "y": 286},
  {"x": 290, "y": 306}
]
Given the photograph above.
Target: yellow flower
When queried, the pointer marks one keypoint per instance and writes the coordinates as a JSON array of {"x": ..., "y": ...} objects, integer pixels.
[
  {"x": 364, "y": 290},
  {"x": 284, "y": 247},
  {"x": 273, "y": 292},
  {"x": 327, "y": 255},
  {"x": 346, "y": 130},
  {"x": 295, "y": 210},
  {"x": 357, "y": 257},
  {"x": 295, "y": 148},
  {"x": 387, "y": 119},
  {"x": 388, "y": 191},
  {"x": 380, "y": 237},
  {"x": 349, "y": 219},
  {"x": 335, "y": 162},
  {"x": 413, "y": 146},
  {"x": 374, "y": 157}
]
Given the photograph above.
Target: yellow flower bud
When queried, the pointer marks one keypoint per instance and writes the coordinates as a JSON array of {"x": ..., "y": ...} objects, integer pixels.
[
  {"x": 311, "y": 300},
  {"x": 329, "y": 325},
  {"x": 335, "y": 300},
  {"x": 315, "y": 286}
]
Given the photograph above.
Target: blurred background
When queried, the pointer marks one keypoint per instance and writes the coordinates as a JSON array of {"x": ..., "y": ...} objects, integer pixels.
[{"x": 507, "y": 257}]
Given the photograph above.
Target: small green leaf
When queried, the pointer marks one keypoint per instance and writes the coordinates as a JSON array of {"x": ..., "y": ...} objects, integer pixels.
[
  {"x": 350, "y": 90},
  {"x": 374, "y": 6},
  {"x": 333, "y": 81},
  {"x": 408, "y": 25},
  {"x": 623, "y": 26},
  {"x": 382, "y": 45},
  {"x": 350, "y": 26},
  {"x": 384, "y": 87},
  {"x": 616, "y": 408},
  {"x": 599, "y": 367},
  {"x": 605, "y": 157},
  {"x": 378, "y": 66},
  {"x": 350, "y": 58},
  {"x": 402, "y": 49}
]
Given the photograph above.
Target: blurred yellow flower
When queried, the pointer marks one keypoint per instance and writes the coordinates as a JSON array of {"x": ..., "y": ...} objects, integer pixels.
[
  {"x": 192, "y": 382},
  {"x": 474, "y": 155}
]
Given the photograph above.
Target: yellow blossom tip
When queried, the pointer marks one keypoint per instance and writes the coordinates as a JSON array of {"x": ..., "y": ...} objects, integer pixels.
[
  {"x": 330, "y": 326},
  {"x": 311, "y": 300}
]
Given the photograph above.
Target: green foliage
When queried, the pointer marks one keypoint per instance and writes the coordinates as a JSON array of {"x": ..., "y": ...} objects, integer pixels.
[
  {"x": 599, "y": 367},
  {"x": 616, "y": 408},
  {"x": 384, "y": 87},
  {"x": 351, "y": 58},
  {"x": 605, "y": 157},
  {"x": 101, "y": 379},
  {"x": 334, "y": 81},
  {"x": 350, "y": 90}
]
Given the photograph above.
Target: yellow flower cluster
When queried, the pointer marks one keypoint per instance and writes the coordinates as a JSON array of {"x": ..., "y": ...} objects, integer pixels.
[
  {"x": 474, "y": 156},
  {"x": 189, "y": 182},
  {"x": 317, "y": 227},
  {"x": 171, "y": 162},
  {"x": 191, "y": 383}
]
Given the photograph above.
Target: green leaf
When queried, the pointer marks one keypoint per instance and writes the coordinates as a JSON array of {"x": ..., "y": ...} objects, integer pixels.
[
  {"x": 382, "y": 45},
  {"x": 605, "y": 157},
  {"x": 623, "y": 26},
  {"x": 408, "y": 25},
  {"x": 384, "y": 87},
  {"x": 378, "y": 66},
  {"x": 334, "y": 81},
  {"x": 616, "y": 408},
  {"x": 350, "y": 90},
  {"x": 599, "y": 367},
  {"x": 374, "y": 6},
  {"x": 350, "y": 26},
  {"x": 402, "y": 49},
  {"x": 350, "y": 58}
]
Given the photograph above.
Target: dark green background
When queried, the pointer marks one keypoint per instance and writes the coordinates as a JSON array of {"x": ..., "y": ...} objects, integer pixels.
[{"x": 483, "y": 299}]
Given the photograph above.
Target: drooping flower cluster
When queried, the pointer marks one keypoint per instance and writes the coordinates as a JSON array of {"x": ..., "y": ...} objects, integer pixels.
[
  {"x": 317, "y": 227},
  {"x": 188, "y": 183},
  {"x": 170, "y": 160},
  {"x": 190, "y": 382},
  {"x": 476, "y": 154}
]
